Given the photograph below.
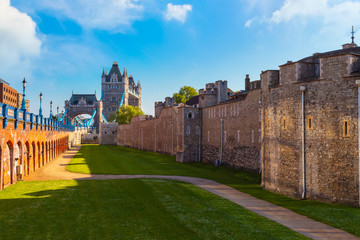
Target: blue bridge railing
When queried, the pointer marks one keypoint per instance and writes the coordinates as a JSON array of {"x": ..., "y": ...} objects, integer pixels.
[{"x": 19, "y": 116}]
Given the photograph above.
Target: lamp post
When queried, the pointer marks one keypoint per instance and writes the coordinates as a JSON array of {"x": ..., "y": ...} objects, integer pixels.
[
  {"x": 62, "y": 115},
  {"x": 40, "y": 110},
  {"x": 57, "y": 115},
  {"x": 23, "y": 103},
  {"x": 51, "y": 110}
]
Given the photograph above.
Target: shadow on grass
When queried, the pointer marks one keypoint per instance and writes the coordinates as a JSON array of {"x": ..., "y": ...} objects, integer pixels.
[{"x": 126, "y": 209}]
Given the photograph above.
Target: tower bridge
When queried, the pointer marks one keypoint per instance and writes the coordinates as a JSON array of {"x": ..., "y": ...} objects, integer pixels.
[{"x": 28, "y": 141}]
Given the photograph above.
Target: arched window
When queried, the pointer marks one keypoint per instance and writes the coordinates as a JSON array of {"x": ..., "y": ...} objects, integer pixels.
[
  {"x": 283, "y": 123},
  {"x": 190, "y": 115}
]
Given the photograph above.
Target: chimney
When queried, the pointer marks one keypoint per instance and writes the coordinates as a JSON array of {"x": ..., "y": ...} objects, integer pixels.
[{"x": 247, "y": 82}]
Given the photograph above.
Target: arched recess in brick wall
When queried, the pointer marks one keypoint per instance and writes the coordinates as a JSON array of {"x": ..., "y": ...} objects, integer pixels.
[
  {"x": 33, "y": 155},
  {"x": 1, "y": 170},
  {"x": 38, "y": 157},
  {"x": 56, "y": 147},
  {"x": 19, "y": 161},
  {"x": 47, "y": 151},
  {"x": 55, "y": 150},
  {"x": 8, "y": 163},
  {"x": 42, "y": 154},
  {"x": 52, "y": 150},
  {"x": 27, "y": 159}
]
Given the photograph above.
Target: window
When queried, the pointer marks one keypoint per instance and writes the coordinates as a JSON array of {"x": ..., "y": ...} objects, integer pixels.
[
  {"x": 310, "y": 122},
  {"x": 190, "y": 115},
  {"x": 346, "y": 128},
  {"x": 283, "y": 123}
]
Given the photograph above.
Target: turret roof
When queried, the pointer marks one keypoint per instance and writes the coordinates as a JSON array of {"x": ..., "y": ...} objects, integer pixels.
[{"x": 114, "y": 69}]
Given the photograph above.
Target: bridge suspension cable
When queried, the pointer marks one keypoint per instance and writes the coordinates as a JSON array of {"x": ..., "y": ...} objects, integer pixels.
[{"x": 62, "y": 117}]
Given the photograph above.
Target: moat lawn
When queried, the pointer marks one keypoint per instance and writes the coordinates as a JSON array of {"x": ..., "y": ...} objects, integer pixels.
[
  {"x": 127, "y": 209},
  {"x": 97, "y": 159}
]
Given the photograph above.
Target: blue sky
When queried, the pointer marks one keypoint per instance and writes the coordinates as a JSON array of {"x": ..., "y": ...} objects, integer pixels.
[{"x": 63, "y": 45}]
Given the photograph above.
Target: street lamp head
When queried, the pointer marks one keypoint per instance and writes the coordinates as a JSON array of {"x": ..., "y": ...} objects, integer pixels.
[
  {"x": 41, "y": 95},
  {"x": 50, "y": 103},
  {"x": 24, "y": 83}
]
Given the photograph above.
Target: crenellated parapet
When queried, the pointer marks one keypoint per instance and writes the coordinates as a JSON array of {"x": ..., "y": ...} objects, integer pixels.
[{"x": 159, "y": 106}]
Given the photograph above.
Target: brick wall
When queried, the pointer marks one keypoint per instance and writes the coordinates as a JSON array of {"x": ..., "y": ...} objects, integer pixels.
[
  {"x": 162, "y": 134},
  {"x": 23, "y": 151}
]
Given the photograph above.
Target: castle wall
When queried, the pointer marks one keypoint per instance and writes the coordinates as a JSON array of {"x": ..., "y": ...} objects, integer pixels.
[
  {"x": 331, "y": 158},
  {"x": 108, "y": 133},
  {"x": 163, "y": 134},
  {"x": 241, "y": 133}
]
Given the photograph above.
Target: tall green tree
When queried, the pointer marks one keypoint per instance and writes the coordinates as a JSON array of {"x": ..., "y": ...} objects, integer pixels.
[
  {"x": 124, "y": 114},
  {"x": 184, "y": 94}
]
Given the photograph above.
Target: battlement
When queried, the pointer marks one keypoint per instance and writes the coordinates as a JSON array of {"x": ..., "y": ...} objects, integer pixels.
[
  {"x": 270, "y": 78},
  {"x": 213, "y": 93},
  {"x": 344, "y": 62},
  {"x": 251, "y": 85},
  {"x": 208, "y": 90},
  {"x": 169, "y": 102}
]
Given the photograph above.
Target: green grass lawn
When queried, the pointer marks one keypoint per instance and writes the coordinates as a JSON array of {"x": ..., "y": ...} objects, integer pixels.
[
  {"x": 97, "y": 159},
  {"x": 127, "y": 209}
]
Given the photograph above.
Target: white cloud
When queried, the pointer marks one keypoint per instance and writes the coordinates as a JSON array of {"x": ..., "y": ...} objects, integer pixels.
[
  {"x": 113, "y": 15},
  {"x": 177, "y": 12},
  {"x": 330, "y": 17},
  {"x": 292, "y": 9},
  {"x": 18, "y": 41},
  {"x": 333, "y": 12},
  {"x": 249, "y": 22}
]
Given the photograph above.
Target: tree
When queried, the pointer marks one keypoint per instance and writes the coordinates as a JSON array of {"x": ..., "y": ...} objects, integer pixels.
[
  {"x": 184, "y": 94},
  {"x": 124, "y": 114}
]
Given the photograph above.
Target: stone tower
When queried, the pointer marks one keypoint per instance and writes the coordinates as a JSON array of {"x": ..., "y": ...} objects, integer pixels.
[{"x": 118, "y": 88}]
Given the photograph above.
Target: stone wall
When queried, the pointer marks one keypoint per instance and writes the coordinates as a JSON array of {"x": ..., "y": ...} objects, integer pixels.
[
  {"x": 108, "y": 133},
  {"x": 75, "y": 136},
  {"x": 192, "y": 135},
  {"x": 241, "y": 132},
  {"x": 176, "y": 131},
  {"x": 331, "y": 169},
  {"x": 162, "y": 134},
  {"x": 89, "y": 138}
]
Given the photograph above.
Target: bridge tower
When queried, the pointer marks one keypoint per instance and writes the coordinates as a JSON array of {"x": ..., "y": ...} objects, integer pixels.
[
  {"x": 85, "y": 104},
  {"x": 117, "y": 89}
]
